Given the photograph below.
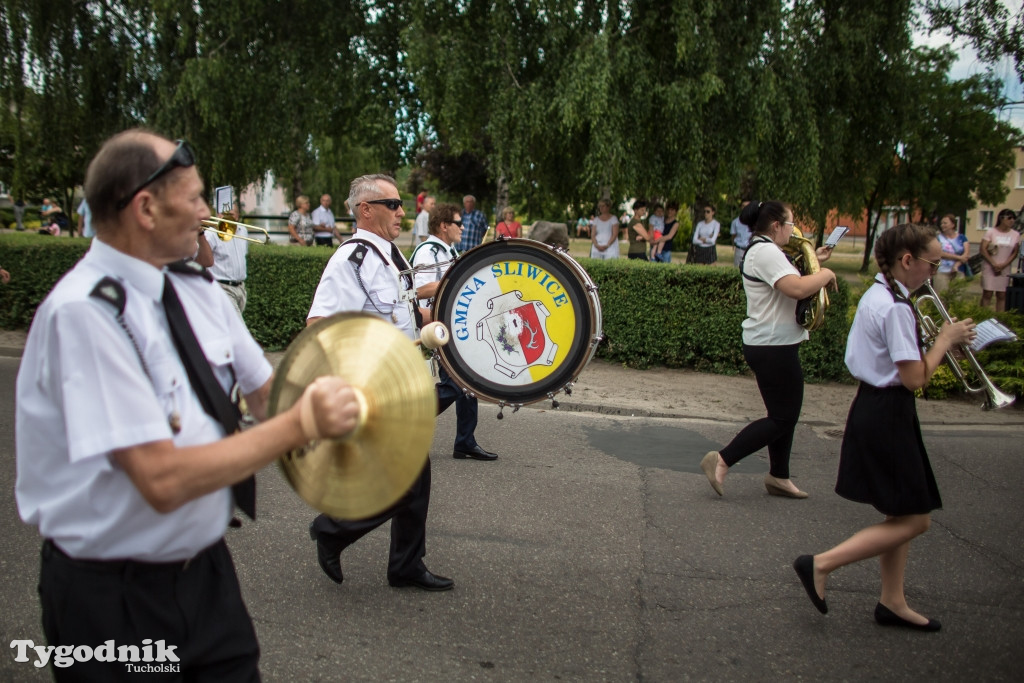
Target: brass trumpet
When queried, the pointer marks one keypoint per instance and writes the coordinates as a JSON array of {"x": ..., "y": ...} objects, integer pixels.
[
  {"x": 994, "y": 398},
  {"x": 227, "y": 229}
]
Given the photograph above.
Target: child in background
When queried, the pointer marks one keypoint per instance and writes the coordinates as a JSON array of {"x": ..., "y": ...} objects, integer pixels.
[{"x": 657, "y": 225}]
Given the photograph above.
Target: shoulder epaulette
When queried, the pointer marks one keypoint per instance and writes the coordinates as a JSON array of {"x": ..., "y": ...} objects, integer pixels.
[
  {"x": 111, "y": 291},
  {"x": 190, "y": 267}
]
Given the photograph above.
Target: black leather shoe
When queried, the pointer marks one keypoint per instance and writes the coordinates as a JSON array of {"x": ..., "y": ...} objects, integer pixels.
[
  {"x": 476, "y": 453},
  {"x": 804, "y": 567},
  {"x": 886, "y": 617},
  {"x": 425, "y": 581},
  {"x": 330, "y": 561}
]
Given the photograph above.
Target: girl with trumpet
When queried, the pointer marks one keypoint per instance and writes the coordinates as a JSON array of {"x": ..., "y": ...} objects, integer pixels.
[
  {"x": 771, "y": 346},
  {"x": 883, "y": 460}
]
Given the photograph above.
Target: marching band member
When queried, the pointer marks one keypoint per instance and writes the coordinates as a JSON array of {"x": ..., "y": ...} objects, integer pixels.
[
  {"x": 225, "y": 259},
  {"x": 771, "y": 346},
  {"x": 883, "y": 461},
  {"x": 364, "y": 275},
  {"x": 445, "y": 227},
  {"x": 122, "y": 458}
]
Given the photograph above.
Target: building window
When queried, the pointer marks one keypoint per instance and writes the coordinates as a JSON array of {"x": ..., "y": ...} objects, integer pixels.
[
  {"x": 986, "y": 220},
  {"x": 1020, "y": 178}
]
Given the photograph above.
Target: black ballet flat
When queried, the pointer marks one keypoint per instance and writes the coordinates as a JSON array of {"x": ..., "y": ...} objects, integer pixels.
[
  {"x": 886, "y": 617},
  {"x": 804, "y": 567}
]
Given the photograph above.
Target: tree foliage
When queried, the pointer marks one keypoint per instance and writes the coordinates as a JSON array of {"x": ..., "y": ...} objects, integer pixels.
[{"x": 548, "y": 104}]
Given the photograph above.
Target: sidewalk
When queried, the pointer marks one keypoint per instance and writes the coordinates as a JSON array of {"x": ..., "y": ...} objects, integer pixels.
[{"x": 611, "y": 389}]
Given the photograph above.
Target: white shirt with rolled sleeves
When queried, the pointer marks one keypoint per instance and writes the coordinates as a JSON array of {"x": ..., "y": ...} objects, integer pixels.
[
  {"x": 884, "y": 332},
  {"x": 82, "y": 393},
  {"x": 771, "y": 315},
  {"x": 380, "y": 292},
  {"x": 228, "y": 256},
  {"x": 323, "y": 221},
  {"x": 432, "y": 251}
]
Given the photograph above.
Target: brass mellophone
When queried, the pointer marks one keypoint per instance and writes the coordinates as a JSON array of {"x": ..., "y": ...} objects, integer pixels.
[
  {"x": 800, "y": 251},
  {"x": 994, "y": 398},
  {"x": 227, "y": 229}
]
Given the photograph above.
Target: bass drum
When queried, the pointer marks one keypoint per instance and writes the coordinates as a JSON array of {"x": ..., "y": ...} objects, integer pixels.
[{"x": 524, "y": 318}]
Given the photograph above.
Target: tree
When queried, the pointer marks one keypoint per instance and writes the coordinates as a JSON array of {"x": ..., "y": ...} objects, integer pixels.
[{"x": 954, "y": 148}]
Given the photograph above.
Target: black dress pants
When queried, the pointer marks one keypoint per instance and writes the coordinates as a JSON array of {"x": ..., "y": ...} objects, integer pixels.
[
  {"x": 781, "y": 383},
  {"x": 195, "y": 608},
  {"x": 408, "y": 529}
]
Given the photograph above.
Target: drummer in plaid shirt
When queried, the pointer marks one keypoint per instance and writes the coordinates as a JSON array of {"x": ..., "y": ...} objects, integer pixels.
[{"x": 474, "y": 224}]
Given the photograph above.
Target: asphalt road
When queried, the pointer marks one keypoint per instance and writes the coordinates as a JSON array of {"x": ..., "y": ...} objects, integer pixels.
[{"x": 594, "y": 550}]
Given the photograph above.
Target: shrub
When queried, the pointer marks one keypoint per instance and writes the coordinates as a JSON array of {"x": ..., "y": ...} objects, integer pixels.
[
  {"x": 690, "y": 316},
  {"x": 653, "y": 314}
]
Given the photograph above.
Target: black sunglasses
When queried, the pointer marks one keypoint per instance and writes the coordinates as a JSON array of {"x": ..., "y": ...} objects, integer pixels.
[
  {"x": 391, "y": 204},
  {"x": 458, "y": 222},
  {"x": 183, "y": 157}
]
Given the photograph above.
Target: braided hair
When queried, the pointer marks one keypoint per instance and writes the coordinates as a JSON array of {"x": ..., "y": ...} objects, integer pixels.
[{"x": 891, "y": 244}]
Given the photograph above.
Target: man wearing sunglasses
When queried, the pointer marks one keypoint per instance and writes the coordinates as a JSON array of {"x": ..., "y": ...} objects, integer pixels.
[
  {"x": 365, "y": 275},
  {"x": 439, "y": 251},
  {"x": 127, "y": 475}
]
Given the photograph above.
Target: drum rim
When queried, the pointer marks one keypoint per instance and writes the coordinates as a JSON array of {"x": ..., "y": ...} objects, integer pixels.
[{"x": 582, "y": 295}]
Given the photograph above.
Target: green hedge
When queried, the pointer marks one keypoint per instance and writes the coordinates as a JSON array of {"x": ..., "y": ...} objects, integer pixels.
[
  {"x": 689, "y": 316},
  {"x": 653, "y": 314}
]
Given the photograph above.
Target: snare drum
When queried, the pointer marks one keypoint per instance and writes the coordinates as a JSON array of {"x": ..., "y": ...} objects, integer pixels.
[{"x": 524, "y": 318}]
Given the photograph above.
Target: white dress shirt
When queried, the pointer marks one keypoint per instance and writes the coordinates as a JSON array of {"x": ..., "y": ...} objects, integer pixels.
[
  {"x": 373, "y": 288},
  {"x": 884, "y": 332},
  {"x": 432, "y": 251},
  {"x": 323, "y": 221},
  {"x": 228, "y": 256},
  {"x": 82, "y": 393},
  {"x": 421, "y": 228},
  {"x": 771, "y": 315}
]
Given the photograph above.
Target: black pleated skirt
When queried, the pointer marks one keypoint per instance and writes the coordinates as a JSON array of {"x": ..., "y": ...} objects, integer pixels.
[
  {"x": 883, "y": 461},
  {"x": 702, "y": 255}
]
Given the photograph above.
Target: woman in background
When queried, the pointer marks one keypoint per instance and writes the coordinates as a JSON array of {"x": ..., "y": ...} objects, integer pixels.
[
  {"x": 999, "y": 247},
  {"x": 956, "y": 251},
  {"x": 705, "y": 235},
  {"x": 604, "y": 238},
  {"x": 300, "y": 223},
  {"x": 508, "y": 226}
]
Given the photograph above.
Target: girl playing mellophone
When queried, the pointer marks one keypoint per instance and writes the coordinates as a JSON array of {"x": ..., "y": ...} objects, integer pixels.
[{"x": 771, "y": 346}]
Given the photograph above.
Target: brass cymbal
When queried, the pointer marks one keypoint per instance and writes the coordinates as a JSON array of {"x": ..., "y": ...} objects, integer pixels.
[{"x": 370, "y": 470}]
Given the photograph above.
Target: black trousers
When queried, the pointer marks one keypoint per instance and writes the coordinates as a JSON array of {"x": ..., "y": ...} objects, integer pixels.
[
  {"x": 781, "y": 383},
  {"x": 466, "y": 411},
  {"x": 408, "y": 529},
  {"x": 195, "y": 607}
]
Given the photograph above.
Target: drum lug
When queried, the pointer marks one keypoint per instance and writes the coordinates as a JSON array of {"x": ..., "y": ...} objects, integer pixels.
[
  {"x": 554, "y": 401},
  {"x": 501, "y": 407},
  {"x": 568, "y": 389}
]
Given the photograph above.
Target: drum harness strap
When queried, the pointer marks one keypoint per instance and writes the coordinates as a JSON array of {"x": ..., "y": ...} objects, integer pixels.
[
  {"x": 435, "y": 249},
  {"x": 357, "y": 257}
]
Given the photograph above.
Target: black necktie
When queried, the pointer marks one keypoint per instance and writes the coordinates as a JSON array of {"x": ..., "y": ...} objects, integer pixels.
[
  {"x": 401, "y": 264},
  {"x": 211, "y": 394}
]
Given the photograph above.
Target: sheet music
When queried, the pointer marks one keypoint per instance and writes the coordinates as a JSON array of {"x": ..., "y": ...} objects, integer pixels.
[{"x": 989, "y": 332}]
